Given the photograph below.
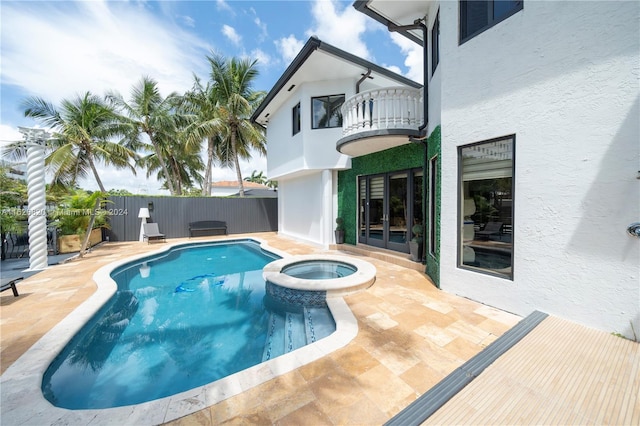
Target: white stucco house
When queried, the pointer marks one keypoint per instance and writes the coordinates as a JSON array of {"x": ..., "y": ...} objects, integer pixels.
[{"x": 525, "y": 174}]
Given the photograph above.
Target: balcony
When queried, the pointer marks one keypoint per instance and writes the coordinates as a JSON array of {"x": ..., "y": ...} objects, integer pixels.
[{"x": 380, "y": 119}]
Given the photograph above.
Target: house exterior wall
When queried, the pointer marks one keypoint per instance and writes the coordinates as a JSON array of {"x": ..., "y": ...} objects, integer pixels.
[
  {"x": 563, "y": 77},
  {"x": 306, "y": 205},
  {"x": 309, "y": 149}
]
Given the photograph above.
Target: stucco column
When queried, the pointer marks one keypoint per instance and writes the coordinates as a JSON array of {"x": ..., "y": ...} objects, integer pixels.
[
  {"x": 328, "y": 219},
  {"x": 35, "y": 142}
]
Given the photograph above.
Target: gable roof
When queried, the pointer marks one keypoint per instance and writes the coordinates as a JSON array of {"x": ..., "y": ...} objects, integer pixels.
[{"x": 321, "y": 61}]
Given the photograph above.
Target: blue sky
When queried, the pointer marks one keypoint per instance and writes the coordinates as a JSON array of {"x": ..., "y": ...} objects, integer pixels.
[{"x": 57, "y": 49}]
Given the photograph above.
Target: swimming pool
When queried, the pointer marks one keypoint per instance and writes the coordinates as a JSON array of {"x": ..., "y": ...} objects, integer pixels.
[{"x": 179, "y": 320}]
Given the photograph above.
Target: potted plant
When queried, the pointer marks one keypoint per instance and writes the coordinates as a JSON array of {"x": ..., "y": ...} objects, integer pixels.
[
  {"x": 339, "y": 230},
  {"x": 73, "y": 218},
  {"x": 415, "y": 245}
]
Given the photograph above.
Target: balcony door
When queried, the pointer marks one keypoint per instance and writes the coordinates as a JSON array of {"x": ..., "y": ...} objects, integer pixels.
[{"x": 386, "y": 210}]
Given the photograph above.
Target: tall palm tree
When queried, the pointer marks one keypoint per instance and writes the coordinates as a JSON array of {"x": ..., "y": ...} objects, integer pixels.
[
  {"x": 149, "y": 113},
  {"x": 232, "y": 87},
  {"x": 183, "y": 162},
  {"x": 82, "y": 129},
  {"x": 202, "y": 103}
]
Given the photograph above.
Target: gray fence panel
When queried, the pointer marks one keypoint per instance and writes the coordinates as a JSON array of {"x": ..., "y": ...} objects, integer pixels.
[{"x": 173, "y": 214}]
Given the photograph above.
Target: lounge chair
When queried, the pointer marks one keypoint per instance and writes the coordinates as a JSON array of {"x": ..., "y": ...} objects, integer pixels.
[
  {"x": 491, "y": 228},
  {"x": 10, "y": 283},
  {"x": 151, "y": 232}
]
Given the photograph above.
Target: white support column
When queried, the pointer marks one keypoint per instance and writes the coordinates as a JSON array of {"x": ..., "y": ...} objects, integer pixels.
[{"x": 35, "y": 141}]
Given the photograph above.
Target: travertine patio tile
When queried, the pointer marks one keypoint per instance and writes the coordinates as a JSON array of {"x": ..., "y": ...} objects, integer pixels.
[
  {"x": 421, "y": 377},
  {"x": 355, "y": 359},
  {"x": 385, "y": 388},
  {"x": 362, "y": 412},
  {"x": 463, "y": 348},
  {"x": 437, "y": 335},
  {"x": 309, "y": 414}
]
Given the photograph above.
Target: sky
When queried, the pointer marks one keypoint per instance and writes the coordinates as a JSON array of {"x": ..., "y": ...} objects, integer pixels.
[{"x": 60, "y": 49}]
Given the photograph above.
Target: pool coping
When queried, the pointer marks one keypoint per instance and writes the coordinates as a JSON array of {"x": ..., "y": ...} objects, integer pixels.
[
  {"x": 22, "y": 400},
  {"x": 362, "y": 278}
]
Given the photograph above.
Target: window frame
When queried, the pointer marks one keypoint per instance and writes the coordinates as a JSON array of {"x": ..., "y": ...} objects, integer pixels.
[
  {"x": 327, "y": 98},
  {"x": 435, "y": 44},
  {"x": 490, "y": 20},
  {"x": 296, "y": 119},
  {"x": 460, "y": 215}
]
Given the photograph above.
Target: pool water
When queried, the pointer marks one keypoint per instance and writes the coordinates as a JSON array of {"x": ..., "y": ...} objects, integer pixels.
[
  {"x": 319, "y": 270},
  {"x": 197, "y": 317}
]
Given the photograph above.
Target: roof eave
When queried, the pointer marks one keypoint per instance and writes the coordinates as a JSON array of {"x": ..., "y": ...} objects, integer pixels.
[
  {"x": 311, "y": 46},
  {"x": 362, "y": 6}
]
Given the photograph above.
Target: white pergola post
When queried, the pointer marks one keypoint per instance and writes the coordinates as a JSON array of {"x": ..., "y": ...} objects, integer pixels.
[{"x": 35, "y": 141}]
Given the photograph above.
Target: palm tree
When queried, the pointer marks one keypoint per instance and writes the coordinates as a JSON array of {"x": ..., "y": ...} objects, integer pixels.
[
  {"x": 183, "y": 162},
  {"x": 236, "y": 100},
  {"x": 257, "y": 177},
  {"x": 202, "y": 103},
  {"x": 148, "y": 113},
  {"x": 82, "y": 128}
]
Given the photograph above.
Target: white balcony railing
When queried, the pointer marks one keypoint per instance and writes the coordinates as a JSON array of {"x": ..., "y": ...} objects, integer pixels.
[{"x": 378, "y": 109}]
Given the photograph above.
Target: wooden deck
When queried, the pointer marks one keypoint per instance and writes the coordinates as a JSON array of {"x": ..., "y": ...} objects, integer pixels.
[{"x": 560, "y": 373}]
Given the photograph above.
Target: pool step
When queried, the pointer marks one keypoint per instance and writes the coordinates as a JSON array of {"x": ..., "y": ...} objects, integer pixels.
[
  {"x": 285, "y": 334},
  {"x": 318, "y": 324},
  {"x": 291, "y": 331}
]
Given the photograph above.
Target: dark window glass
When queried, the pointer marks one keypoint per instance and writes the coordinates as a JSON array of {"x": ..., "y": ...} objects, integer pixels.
[
  {"x": 435, "y": 44},
  {"x": 296, "y": 118},
  {"x": 486, "y": 206},
  {"x": 478, "y": 15},
  {"x": 326, "y": 112}
]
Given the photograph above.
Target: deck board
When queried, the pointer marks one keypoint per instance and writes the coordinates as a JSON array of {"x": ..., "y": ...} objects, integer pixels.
[{"x": 560, "y": 373}]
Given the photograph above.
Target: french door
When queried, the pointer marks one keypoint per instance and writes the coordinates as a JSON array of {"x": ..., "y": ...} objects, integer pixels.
[{"x": 388, "y": 208}]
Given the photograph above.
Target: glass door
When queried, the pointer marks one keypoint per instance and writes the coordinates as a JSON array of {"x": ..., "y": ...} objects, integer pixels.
[{"x": 383, "y": 210}]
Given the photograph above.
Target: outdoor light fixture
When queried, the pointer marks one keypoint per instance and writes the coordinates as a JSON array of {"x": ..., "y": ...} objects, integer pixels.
[
  {"x": 150, "y": 206},
  {"x": 144, "y": 215}
]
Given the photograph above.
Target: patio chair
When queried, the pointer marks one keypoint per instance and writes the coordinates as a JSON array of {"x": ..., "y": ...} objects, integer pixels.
[
  {"x": 491, "y": 228},
  {"x": 10, "y": 283},
  {"x": 151, "y": 232}
]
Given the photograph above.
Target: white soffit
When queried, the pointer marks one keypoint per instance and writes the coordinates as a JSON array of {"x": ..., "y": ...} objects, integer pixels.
[{"x": 400, "y": 12}]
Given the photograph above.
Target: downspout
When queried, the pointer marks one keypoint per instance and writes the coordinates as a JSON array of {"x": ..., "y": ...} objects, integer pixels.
[
  {"x": 422, "y": 138},
  {"x": 363, "y": 78}
]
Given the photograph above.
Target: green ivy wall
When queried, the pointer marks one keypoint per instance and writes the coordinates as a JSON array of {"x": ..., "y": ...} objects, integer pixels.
[{"x": 403, "y": 157}]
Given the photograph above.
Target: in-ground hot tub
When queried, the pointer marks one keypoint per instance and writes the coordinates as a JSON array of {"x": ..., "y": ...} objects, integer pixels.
[{"x": 310, "y": 279}]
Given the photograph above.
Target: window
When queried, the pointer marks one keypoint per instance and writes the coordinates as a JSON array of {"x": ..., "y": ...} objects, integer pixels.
[
  {"x": 479, "y": 15},
  {"x": 486, "y": 206},
  {"x": 325, "y": 111},
  {"x": 435, "y": 44},
  {"x": 295, "y": 118}
]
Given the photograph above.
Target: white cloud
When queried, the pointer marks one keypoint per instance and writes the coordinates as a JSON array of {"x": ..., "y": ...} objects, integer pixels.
[
  {"x": 341, "y": 28},
  {"x": 413, "y": 56},
  {"x": 264, "y": 59},
  {"x": 393, "y": 68},
  {"x": 188, "y": 21},
  {"x": 223, "y": 5},
  {"x": 55, "y": 50},
  {"x": 263, "y": 28},
  {"x": 230, "y": 33},
  {"x": 289, "y": 47}
]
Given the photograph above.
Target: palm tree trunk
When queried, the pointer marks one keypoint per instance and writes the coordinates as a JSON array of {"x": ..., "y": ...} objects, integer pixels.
[
  {"x": 206, "y": 188},
  {"x": 87, "y": 234},
  {"x": 236, "y": 162},
  {"x": 165, "y": 171},
  {"x": 92, "y": 220}
]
